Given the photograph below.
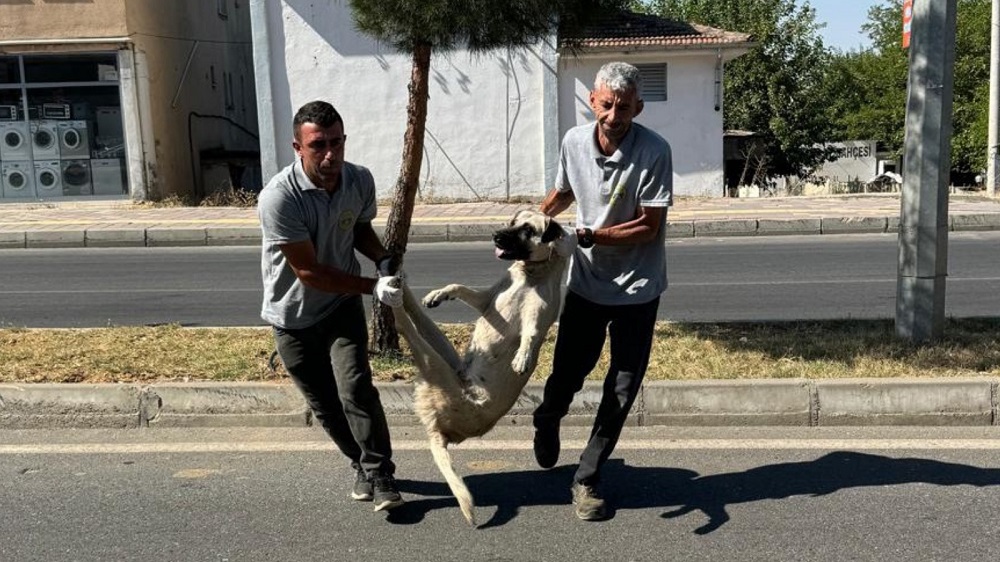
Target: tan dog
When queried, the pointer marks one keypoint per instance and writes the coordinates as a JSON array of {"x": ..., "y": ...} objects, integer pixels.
[{"x": 457, "y": 398}]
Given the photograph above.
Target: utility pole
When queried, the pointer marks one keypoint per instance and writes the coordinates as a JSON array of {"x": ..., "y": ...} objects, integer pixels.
[
  {"x": 992, "y": 150},
  {"x": 923, "y": 225}
]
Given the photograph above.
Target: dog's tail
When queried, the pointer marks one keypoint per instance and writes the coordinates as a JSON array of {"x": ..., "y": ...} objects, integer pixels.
[{"x": 439, "y": 448}]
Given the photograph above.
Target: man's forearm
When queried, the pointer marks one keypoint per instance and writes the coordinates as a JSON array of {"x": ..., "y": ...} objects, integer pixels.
[
  {"x": 332, "y": 280},
  {"x": 556, "y": 202},
  {"x": 367, "y": 242}
]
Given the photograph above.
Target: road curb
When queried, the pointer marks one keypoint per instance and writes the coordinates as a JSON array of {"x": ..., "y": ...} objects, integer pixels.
[
  {"x": 763, "y": 402},
  {"x": 465, "y": 231}
]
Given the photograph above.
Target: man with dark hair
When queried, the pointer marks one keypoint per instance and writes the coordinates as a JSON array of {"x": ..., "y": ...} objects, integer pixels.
[
  {"x": 620, "y": 175},
  {"x": 314, "y": 214}
]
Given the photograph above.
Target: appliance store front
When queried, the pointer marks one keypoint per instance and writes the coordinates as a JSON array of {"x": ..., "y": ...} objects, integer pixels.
[{"x": 61, "y": 127}]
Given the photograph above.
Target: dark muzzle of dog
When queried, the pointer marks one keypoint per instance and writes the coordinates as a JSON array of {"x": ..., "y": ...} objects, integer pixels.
[{"x": 513, "y": 243}]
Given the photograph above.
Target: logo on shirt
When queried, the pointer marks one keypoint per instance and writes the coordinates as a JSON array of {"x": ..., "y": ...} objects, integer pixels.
[
  {"x": 346, "y": 220},
  {"x": 618, "y": 193}
]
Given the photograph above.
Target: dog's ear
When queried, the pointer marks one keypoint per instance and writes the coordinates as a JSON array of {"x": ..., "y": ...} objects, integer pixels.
[{"x": 552, "y": 231}]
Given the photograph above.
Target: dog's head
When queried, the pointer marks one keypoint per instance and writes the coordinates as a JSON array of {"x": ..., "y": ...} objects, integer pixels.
[{"x": 528, "y": 237}]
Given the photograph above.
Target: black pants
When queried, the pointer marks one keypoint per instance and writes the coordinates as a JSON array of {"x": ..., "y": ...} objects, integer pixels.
[
  {"x": 329, "y": 364},
  {"x": 583, "y": 326}
]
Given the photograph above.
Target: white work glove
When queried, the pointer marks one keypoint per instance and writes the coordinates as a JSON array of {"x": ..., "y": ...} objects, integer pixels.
[
  {"x": 388, "y": 291},
  {"x": 566, "y": 245}
]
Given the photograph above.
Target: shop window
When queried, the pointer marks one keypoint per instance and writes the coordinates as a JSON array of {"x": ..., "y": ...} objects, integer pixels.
[
  {"x": 10, "y": 70},
  {"x": 61, "y": 128},
  {"x": 70, "y": 68}
]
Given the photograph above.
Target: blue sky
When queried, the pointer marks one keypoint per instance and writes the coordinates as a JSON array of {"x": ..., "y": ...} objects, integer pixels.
[{"x": 843, "y": 19}]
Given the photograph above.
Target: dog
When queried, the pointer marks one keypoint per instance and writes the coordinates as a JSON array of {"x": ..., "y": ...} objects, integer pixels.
[{"x": 460, "y": 397}]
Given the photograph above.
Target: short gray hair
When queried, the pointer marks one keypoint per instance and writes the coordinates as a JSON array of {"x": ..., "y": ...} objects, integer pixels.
[{"x": 619, "y": 77}]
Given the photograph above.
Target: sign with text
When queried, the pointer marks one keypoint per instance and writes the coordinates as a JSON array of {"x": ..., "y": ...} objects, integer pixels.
[{"x": 856, "y": 161}]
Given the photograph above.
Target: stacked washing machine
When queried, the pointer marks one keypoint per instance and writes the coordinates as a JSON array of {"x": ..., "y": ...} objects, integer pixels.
[
  {"x": 74, "y": 153},
  {"x": 108, "y": 174},
  {"x": 16, "y": 177}
]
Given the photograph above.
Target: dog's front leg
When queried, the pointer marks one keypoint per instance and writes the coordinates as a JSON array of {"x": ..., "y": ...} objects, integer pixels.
[
  {"x": 478, "y": 300},
  {"x": 527, "y": 352}
]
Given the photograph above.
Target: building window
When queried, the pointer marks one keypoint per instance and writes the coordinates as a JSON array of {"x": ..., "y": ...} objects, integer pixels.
[
  {"x": 10, "y": 70},
  {"x": 61, "y": 132},
  {"x": 654, "y": 81}
]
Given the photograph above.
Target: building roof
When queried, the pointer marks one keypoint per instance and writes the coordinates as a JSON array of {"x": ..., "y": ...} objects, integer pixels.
[{"x": 631, "y": 31}]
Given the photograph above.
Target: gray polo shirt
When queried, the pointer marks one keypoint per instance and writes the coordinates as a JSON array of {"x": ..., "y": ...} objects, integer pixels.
[
  {"x": 292, "y": 209},
  {"x": 609, "y": 190}
]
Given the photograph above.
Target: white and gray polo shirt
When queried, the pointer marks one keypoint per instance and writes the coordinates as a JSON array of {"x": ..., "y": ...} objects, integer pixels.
[
  {"x": 293, "y": 209},
  {"x": 609, "y": 190}
]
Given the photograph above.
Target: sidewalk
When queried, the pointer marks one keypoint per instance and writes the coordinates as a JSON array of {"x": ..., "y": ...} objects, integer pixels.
[
  {"x": 796, "y": 402},
  {"x": 121, "y": 223}
]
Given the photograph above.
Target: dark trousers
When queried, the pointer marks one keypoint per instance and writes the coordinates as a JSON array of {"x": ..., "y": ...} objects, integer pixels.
[
  {"x": 329, "y": 364},
  {"x": 583, "y": 327}
]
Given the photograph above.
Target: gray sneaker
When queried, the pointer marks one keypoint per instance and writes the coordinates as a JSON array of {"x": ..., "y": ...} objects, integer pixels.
[
  {"x": 363, "y": 490},
  {"x": 589, "y": 503},
  {"x": 386, "y": 493}
]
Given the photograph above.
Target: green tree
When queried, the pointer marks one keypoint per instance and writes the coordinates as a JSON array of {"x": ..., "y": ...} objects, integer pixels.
[
  {"x": 419, "y": 27},
  {"x": 775, "y": 89},
  {"x": 972, "y": 86},
  {"x": 867, "y": 89}
]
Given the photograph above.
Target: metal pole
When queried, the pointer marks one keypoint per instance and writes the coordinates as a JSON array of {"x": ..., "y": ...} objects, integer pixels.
[
  {"x": 270, "y": 159},
  {"x": 992, "y": 150},
  {"x": 923, "y": 228}
]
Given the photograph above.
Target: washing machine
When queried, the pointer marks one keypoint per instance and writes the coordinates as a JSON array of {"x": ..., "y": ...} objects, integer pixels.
[
  {"x": 76, "y": 178},
  {"x": 107, "y": 177},
  {"x": 44, "y": 140},
  {"x": 15, "y": 143},
  {"x": 18, "y": 179},
  {"x": 74, "y": 139},
  {"x": 48, "y": 179}
]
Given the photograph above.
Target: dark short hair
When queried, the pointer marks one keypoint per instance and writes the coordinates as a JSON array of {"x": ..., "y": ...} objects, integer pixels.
[{"x": 319, "y": 112}]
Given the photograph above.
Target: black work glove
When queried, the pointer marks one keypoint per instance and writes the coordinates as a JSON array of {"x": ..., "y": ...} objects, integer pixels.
[{"x": 389, "y": 264}]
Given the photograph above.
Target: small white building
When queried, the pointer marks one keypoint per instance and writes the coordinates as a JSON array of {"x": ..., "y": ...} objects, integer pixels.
[{"x": 494, "y": 121}]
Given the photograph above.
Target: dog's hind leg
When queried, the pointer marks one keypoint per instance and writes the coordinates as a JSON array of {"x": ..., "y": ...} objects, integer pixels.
[
  {"x": 442, "y": 458},
  {"x": 425, "y": 328},
  {"x": 435, "y": 358}
]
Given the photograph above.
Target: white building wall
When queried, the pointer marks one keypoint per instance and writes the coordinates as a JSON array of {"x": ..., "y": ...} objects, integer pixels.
[
  {"x": 484, "y": 111},
  {"x": 490, "y": 128},
  {"x": 687, "y": 119}
]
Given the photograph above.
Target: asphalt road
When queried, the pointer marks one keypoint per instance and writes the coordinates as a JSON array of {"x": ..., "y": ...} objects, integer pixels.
[
  {"x": 696, "y": 494},
  {"x": 727, "y": 279}
]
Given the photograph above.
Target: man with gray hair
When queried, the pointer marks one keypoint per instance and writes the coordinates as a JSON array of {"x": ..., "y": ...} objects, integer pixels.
[{"x": 620, "y": 174}]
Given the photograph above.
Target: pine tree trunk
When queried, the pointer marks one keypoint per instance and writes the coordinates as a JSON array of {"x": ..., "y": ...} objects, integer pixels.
[{"x": 385, "y": 339}]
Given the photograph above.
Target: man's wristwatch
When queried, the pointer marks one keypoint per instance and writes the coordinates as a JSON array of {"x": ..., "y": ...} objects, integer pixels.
[{"x": 585, "y": 237}]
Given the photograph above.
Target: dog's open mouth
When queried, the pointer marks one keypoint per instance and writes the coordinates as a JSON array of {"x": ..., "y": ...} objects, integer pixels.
[{"x": 508, "y": 254}]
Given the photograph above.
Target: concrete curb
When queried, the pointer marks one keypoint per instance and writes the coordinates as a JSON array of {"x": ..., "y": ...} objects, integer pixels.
[
  {"x": 766, "y": 402},
  {"x": 161, "y": 236}
]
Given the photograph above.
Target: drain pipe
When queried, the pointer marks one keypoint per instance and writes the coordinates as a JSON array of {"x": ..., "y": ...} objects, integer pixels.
[
  {"x": 718, "y": 80},
  {"x": 265, "y": 93},
  {"x": 187, "y": 68}
]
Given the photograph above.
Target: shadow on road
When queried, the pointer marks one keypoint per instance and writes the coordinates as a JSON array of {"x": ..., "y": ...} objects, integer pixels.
[{"x": 684, "y": 490}]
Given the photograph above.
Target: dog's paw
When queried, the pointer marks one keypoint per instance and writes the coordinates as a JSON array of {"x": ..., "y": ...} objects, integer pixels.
[
  {"x": 435, "y": 298},
  {"x": 522, "y": 362}
]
